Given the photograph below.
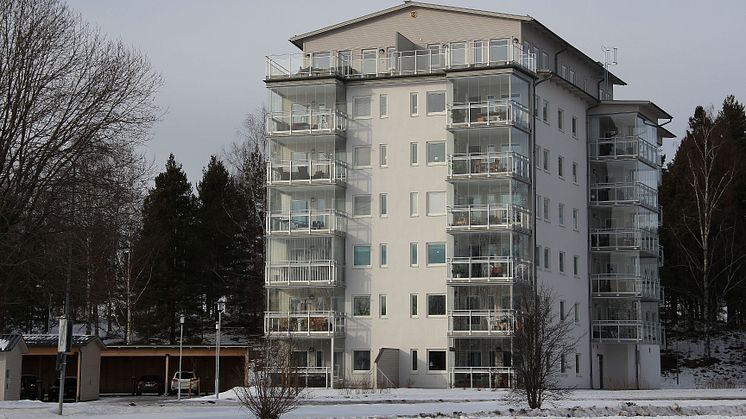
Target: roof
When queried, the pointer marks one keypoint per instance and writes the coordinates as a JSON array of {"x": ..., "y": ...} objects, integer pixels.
[
  {"x": 51, "y": 340},
  {"x": 9, "y": 342},
  {"x": 647, "y": 106},
  {"x": 297, "y": 40}
]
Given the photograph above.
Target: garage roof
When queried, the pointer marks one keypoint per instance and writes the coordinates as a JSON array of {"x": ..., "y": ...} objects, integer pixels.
[
  {"x": 51, "y": 340},
  {"x": 9, "y": 342}
]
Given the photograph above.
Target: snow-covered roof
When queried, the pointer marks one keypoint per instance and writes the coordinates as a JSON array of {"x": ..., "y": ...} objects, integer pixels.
[
  {"x": 9, "y": 342},
  {"x": 51, "y": 340}
]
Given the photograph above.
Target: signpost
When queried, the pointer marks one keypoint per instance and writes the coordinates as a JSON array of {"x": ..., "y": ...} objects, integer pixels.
[{"x": 64, "y": 342}]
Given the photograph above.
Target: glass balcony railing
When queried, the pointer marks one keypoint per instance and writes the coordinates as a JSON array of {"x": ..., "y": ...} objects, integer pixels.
[
  {"x": 487, "y": 269},
  {"x": 309, "y": 323},
  {"x": 481, "y": 323},
  {"x": 320, "y": 273},
  {"x": 305, "y": 172},
  {"x": 493, "y": 113},
  {"x": 488, "y": 217},
  {"x": 380, "y": 63},
  {"x": 306, "y": 122},
  {"x": 631, "y": 147},
  {"x": 624, "y": 193},
  {"x": 625, "y": 285},
  {"x": 488, "y": 165},
  {"x": 481, "y": 377},
  {"x": 626, "y": 331},
  {"x": 625, "y": 239},
  {"x": 307, "y": 222}
]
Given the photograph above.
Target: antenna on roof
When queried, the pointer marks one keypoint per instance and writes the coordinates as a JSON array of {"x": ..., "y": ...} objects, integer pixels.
[{"x": 610, "y": 59}]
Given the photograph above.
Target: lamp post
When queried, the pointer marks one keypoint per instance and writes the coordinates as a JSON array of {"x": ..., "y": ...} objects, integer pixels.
[
  {"x": 221, "y": 309},
  {"x": 181, "y": 352}
]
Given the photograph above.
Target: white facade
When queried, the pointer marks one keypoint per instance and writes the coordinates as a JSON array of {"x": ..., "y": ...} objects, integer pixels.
[{"x": 416, "y": 182}]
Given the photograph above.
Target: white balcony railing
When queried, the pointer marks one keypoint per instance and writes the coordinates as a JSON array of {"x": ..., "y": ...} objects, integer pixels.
[
  {"x": 625, "y": 285},
  {"x": 321, "y": 273},
  {"x": 487, "y": 269},
  {"x": 626, "y": 331},
  {"x": 310, "y": 323},
  {"x": 380, "y": 63},
  {"x": 488, "y": 165},
  {"x": 619, "y": 148},
  {"x": 306, "y": 172},
  {"x": 481, "y": 377},
  {"x": 481, "y": 323},
  {"x": 625, "y": 239},
  {"x": 488, "y": 114},
  {"x": 488, "y": 217},
  {"x": 624, "y": 193},
  {"x": 306, "y": 122},
  {"x": 306, "y": 222}
]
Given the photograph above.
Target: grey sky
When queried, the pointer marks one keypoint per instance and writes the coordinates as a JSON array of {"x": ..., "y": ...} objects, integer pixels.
[{"x": 211, "y": 53}]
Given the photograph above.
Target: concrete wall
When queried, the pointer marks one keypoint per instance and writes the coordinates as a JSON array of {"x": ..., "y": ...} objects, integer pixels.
[
  {"x": 10, "y": 374},
  {"x": 388, "y": 367},
  {"x": 621, "y": 369}
]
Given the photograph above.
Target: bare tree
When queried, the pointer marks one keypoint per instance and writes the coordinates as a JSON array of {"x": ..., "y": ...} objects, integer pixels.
[
  {"x": 274, "y": 388},
  {"x": 541, "y": 342}
]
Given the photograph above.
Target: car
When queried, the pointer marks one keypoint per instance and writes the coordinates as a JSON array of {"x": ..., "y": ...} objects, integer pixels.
[
  {"x": 149, "y": 384},
  {"x": 71, "y": 390},
  {"x": 29, "y": 387},
  {"x": 189, "y": 382}
]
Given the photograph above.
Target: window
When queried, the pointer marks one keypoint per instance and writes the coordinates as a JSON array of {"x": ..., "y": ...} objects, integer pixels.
[
  {"x": 537, "y": 103},
  {"x": 413, "y": 254},
  {"x": 547, "y": 259},
  {"x": 479, "y": 52},
  {"x": 361, "y": 205},
  {"x": 545, "y": 159},
  {"x": 545, "y": 111},
  {"x": 563, "y": 363},
  {"x": 577, "y": 364},
  {"x": 575, "y": 264},
  {"x": 361, "y": 156},
  {"x": 436, "y": 305},
  {"x": 562, "y": 310},
  {"x": 436, "y": 253},
  {"x": 361, "y": 360},
  {"x": 436, "y": 203},
  {"x": 547, "y": 204},
  {"x": 413, "y": 198},
  {"x": 562, "y": 262},
  {"x": 576, "y": 309},
  {"x": 560, "y": 119},
  {"x": 561, "y": 214},
  {"x": 413, "y": 357},
  {"x": 574, "y": 172},
  {"x": 436, "y": 360},
  {"x": 539, "y": 205},
  {"x": 383, "y": 204},
  {"x": 384, "y": 255},
  {"x": 361, "y": 255},
  {"x": 383, "y": 155},
  {"x": 436, "y": 102},
  {"x": 544, "y": 60},
  {"x": 382, "y": 309},
  {"x": 575, "y": 218},
  {"x": 574, "y": 126},
  {"x": 383, "y": 103},
  {"x": 563, "y": 72},
  {"x": 561, "y": 166},
  {"x": 361, "y": 107},
  {"x": 361, "y": 305},
  {"x": 413, "y": 154},
  {"x": 436, "y": 152},
  {"x": 538, "y": 256},
  {"x": 572, "y": 76},
  {"x": 413, "y": 104},
  {"x": 413, "y": 305}
]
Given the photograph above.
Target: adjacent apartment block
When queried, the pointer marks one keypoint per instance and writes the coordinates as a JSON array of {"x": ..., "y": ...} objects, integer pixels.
[{"x": 427, "y": 162}]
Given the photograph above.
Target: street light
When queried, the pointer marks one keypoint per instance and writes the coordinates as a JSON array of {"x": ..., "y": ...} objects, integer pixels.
[
  {"x": 181, "y": 352},
  {"x": 221, "y": 309}
]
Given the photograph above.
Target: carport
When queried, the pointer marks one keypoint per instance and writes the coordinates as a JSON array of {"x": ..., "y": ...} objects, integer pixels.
[{"x": 123, "y": 366}]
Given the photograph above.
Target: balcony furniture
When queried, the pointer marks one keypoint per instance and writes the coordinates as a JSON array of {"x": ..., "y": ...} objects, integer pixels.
[
  {"x": 319, "y": 175},
  {"x": 303, "y": 172},
  {"x": 283, "y": 174}
]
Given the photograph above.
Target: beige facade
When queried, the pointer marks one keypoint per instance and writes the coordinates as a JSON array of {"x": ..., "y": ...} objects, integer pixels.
[{"x": 12, "y": 348}]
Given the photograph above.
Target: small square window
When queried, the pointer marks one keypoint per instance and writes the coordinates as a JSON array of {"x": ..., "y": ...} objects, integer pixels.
[
  {"x": 383, "y": 155},
  {"x": 361, "y": 305},
  {"x": 361, "y": 205},
  {"x": 436, "y": 305},
  {"x": 436, "y": 360},
  {"x": 361, "y": 156},
  {"x": 436, "y": 102},
  {"x": 436, "y": 152},
  {"x": 383, "y": 102},
  {"x": 361, "y": 107},
  {"x": 436, "y": 253},
  {"x": 384, "y": 254},
  {"x": 361, "y": 360},
  {"x": 413, "y": 104},
  {"x": 361, "y": 256}
]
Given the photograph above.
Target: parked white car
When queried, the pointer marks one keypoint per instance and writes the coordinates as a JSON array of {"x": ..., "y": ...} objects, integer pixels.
[{"x": 189, "y": 382}]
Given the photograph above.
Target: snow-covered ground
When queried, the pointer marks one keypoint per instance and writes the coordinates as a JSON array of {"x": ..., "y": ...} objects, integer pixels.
[
  {"x": 409, "y": 402},
  {"x": 728, "y": 348}
]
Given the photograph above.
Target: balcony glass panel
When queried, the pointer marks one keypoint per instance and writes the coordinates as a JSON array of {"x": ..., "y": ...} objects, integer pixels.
[
  {"x": 489, "y": 113},
  {"x": 291, "y": 172},
  {"x": 487, "y": 322},
  {"x": 304, "y": 323},
  {"x": 624, "y": 193},
  {"x": 303, "y": 273},
  {"x": 488, "y": 269},
  {"x": 625, "y": 239},
  {"x": 629, "y": 147},
  {"x": 488, "y": 165},
  {"x": 307, "y": 222},
  {"x": 491, "y": 216}
]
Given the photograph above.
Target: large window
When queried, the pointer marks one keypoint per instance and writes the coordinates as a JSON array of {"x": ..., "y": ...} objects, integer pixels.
[
  {"x": 361, "y": 107},
  {"x": 361, "y": 255},
  {"x": 436, "y": 203},
  {"x": 361, "y": 360},
  {"x": 436, "y": 253},
  {"x": 436, "y": 102},
  {"x": 436, "y": 152},
  {"x": 361, "y": 205},
  {"x": 361, "y": 305},
  {"x": 436, "y": 305},
  {"x": 361, "y": 156},
  {"x": 436, "y": 360}
]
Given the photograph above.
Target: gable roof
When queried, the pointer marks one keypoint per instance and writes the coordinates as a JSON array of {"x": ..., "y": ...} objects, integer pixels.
[
  {"x": 51, "y": 340},
  {"x": 9, "y": 342}
]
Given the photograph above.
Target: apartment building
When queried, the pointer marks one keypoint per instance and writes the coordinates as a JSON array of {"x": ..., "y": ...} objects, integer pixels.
[{"x": 428, "y": 163}]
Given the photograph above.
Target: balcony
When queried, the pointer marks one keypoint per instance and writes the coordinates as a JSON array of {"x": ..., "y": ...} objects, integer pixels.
[
  {"x": 481, "y": 377},
  {"x": 489, "y": 166},
  {"x": 488, "y": 217},
  {"x": 306, "y": 222},
  {"x": 493, "y": 113},
  {"x": 306, "y": 376},
  {"x": 481, "y": 323},
  {"x": 313, "y": 273},
  {"x": 306, "y": 172},
  {"x": 487, "y": 270},
  {"x": 624, "y": 148},
  {"x": 625, "y": 285},
  {"x": 626, "y": 331},
  {"x": 624, "y": 193},
  {"x": 613, "y": 239},
  {"x": 378, "y": 63},
  {"x": 307, "y": 122},
  {"x": 304, "y": 324}
]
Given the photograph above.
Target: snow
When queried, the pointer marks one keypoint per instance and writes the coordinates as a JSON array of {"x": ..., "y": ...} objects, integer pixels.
[
  {"x": 409, "y": 402},
  {"x": 729, "y": 372},
  {"x": 4, "y": 343}
]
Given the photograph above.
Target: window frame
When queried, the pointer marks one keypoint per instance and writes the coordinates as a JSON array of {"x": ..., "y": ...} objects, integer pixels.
[
  {"x": 427, "y": 254},
  {"x": 383, "y": 155},
  {"x": 414, "y": 303},
  {"x": 414, "y": 105},
  {"x": 575, "y": 172},
  {"x": 427, "y": 102},
  {"x": 561, "y": 262},
  {"x": 354, "y": 364},
  {"x": 575, "y": 218},
  {"x": 414, "y": 204},
  {"x": 383, "y": 255},
  {"x": 354, "y": 107},
  {"x": 414, "y": 361},
  {"x": 576, "y": 266},
  {"x": 383, "y": 106},
  {"x": 561, "y": 119},
  {"x": 427, "y": 303},
  {"x": 427, "y": 153},
  {"x": 383, "y": 312},
  {"x": 547, "y": 210},
  {"x": 561, "y": 214},
  {"x": 370, "y": 256},
  {"x": 445, "y": 361},
  {"x": 355, "y": 154},
  {"x": 545, "y": 111},
  {"x": 574, "y": 126},
  {"x": 547, "y": 259},
  {"x": 546, "y": 159},
  {"x": 414, "y": 151},
  {"x": 414, "y": 259},
  {"x": 354, "y": 206},
  {"x": 443, "y": 211},
  {"x": 561, "y": 166},
  {"x": 354, "y": 305},
  {"x": 383, "y": 204}
]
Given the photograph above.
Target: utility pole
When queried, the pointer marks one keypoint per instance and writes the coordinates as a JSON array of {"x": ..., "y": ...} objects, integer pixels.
[
  {"x": 64, "y": 341},
  {"x": 181, "y": 352},
  {"x": 221, "y": 309}
]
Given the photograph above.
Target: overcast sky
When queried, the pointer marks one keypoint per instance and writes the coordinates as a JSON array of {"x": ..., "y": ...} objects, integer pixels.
[{"x": 676, "y": 53}]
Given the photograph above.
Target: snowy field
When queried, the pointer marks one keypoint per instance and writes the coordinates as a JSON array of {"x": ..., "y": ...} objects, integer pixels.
[{"x": 409, "y": 403}]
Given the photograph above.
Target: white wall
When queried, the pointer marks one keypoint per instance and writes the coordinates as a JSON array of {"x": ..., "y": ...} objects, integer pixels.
[{"x": 10, "y": 374}]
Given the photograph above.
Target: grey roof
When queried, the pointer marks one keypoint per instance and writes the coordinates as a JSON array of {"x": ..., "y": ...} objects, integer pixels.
[
  {"x": 650, "y": 107},
  {"x": 51, "y": 340},
  {"x": 8, "y": 342}
]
